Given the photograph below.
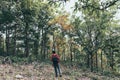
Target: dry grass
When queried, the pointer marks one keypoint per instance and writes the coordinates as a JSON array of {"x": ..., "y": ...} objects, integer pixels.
[{"x": 45, "y": 72}]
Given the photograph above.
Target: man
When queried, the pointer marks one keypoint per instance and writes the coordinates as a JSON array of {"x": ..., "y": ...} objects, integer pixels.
[{"x": 56, "y": 59}]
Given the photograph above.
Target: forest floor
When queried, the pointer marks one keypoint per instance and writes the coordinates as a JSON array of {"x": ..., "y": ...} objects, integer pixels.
[{"x": 45, "y": 71}]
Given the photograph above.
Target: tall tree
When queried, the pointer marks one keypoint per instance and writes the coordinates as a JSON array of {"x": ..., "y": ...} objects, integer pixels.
[
  {"x": 6, "y": 21},
  {"x": 96, "y": 19}
]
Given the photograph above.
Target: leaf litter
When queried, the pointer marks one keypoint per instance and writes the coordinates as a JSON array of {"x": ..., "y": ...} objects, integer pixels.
[{"x": 42, "y": 71}]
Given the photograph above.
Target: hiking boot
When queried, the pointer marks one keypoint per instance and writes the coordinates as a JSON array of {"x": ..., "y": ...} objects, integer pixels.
[{"x": 60, "y": 75}]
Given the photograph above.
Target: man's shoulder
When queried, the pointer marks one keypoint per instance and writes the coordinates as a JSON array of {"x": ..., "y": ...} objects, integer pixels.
[{"x": 55, "y": 54}]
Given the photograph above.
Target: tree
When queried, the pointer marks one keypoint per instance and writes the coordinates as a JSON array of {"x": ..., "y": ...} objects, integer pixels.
[
  {"x": 91, "y": 31},
  {"x": 6, "y": 21}
]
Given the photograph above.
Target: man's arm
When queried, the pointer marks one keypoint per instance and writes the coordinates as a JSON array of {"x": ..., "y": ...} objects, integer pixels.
[{"x": 58, "y": 57}]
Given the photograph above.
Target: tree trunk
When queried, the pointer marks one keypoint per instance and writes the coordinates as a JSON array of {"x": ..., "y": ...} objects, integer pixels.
[
  {"x": 1, "y": 41},
  {"x": 44, "y": 46},
  {"x": 112, "y": 60},
  {"x": 15, "y": 40},
  {"x": 63, "y": 54},
  {"x": 88, "y": 61},
  {"x": 1, "y": 45},
  {"x": 53, "y": 47},
  {"x": 7, "y": 40},
  {"x": 91, "y": 62},
  {"x": 36, "y": 48},
  {"x": 101, "y": 62},
  {"x": 36, "y": 43},
  {"x": 96, "y": 62},
  {"x": 26, "y": 41},
  {"x": 71, "y": 56},
  {"x": 47, "y": 57}
]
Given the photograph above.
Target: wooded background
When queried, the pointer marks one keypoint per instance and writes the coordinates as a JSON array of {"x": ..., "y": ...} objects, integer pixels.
[{"x": 32, "y": 28}]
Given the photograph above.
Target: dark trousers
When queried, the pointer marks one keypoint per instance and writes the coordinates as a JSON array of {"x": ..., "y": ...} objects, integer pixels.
[{"x": 57, "y": 69}]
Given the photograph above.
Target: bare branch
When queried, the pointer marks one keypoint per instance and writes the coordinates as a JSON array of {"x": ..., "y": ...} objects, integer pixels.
[
  {"x": 111, "y": 3},
  {"x": 105, "y": 6}
]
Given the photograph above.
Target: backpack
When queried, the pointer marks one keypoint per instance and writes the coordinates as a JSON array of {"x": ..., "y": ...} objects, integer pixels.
[{"x": 55, "y": 59}]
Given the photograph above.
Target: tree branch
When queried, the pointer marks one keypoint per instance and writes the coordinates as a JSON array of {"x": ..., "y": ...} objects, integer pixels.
[
  {"x": 111, "y": 3},
  {"x": 107, "y": 5}
]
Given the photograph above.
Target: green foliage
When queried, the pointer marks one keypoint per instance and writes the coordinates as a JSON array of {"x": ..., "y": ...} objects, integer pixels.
[
  {"x": 106, "y": 73},
  {"x": 19, "y": 60}
]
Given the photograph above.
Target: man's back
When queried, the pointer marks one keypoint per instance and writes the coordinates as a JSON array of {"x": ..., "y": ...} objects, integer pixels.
[{"x": 55, "y": 58}]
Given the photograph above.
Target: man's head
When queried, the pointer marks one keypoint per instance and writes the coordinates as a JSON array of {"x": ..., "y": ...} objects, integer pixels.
[{"x": 53, "y": 52}]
